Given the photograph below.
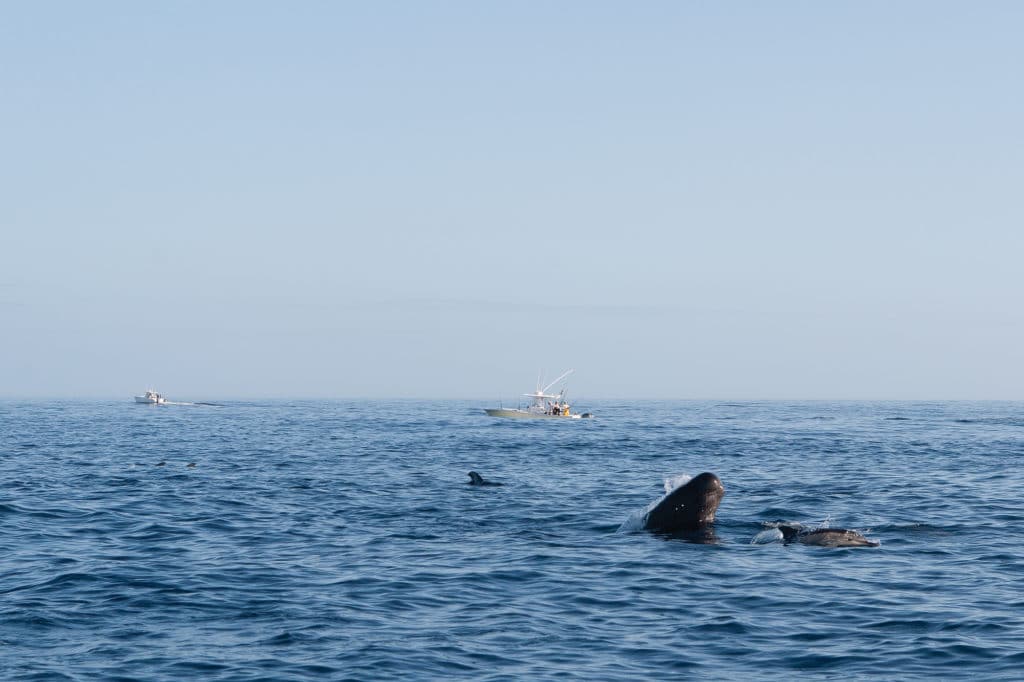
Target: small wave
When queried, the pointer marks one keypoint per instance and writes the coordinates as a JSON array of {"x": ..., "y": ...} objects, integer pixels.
[
  {"x": 904, "y": 625},
  {"x": 925, "y": 528},
  {"x": 287, "y": 638},
  {"x": 197, "y": 666},
  {"x": 63, "y": 581},
  {"x": 725, "y": 626},
  {"x": 9, "y": 509},
  {"x": 779, "y": 513}
]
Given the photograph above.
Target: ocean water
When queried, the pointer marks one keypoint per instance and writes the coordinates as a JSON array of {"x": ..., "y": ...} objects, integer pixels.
[{"x": 340, "y": 540}]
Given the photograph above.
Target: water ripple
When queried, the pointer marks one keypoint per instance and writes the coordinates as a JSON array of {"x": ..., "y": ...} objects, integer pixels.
[{"x": 340, "y": 541}]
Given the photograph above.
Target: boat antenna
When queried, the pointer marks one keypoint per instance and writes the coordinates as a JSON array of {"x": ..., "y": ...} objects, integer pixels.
[{"x": 545, "y": 389}]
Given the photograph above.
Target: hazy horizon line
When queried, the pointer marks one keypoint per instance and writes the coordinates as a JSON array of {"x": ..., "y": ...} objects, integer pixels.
[{"x": 489, "y": 401}]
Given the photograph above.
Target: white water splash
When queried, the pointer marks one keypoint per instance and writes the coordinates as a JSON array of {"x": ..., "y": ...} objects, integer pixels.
[
  {"x": 767, "y": 536},
  {"x": 673, "y": 482},
  {"x": 773, "y": 534}
]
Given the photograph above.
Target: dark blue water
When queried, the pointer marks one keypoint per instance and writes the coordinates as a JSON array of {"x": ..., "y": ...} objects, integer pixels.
[{"x": 340, "y": 541}]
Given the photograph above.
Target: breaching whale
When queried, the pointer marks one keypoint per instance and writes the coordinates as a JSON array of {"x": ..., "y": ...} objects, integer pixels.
[
  {"x": 477, "y": 479},
  {"x": 689, "y": 506}
]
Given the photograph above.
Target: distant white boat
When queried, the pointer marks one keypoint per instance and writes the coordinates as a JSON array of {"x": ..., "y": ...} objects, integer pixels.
[
  {"x": 150, "y": 398},
  {"x": 542, "y": 405}
]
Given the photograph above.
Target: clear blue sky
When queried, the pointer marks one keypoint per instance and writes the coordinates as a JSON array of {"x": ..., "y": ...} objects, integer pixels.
[{"x": 416, "y": 199}]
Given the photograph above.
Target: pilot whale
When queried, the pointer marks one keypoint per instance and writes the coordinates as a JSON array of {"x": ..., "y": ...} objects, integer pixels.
[
  {"x": 690, "y": 506},
  {"x": 477, "y": 479},
  {"x": 825, "y": 537}
]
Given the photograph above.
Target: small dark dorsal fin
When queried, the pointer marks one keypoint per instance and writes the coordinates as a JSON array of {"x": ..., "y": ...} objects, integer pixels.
[{"x": 477, "y": 479}]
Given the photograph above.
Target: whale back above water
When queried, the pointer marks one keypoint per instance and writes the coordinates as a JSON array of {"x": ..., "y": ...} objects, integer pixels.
[
  {"x": 837, "y": 537},
  {"x": 826, "y": 537}
]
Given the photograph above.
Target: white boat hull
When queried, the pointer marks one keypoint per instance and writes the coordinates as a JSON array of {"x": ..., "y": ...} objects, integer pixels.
[{"x": 524, "y": 414}]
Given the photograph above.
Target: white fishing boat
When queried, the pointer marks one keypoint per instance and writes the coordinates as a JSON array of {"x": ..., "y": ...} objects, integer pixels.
[
  {"x": 150, "y": 398},
  {"x": 543, "y": 405}
]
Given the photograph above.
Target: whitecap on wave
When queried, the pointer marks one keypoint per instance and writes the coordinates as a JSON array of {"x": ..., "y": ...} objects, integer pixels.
[{"x": 767, "y": 536}]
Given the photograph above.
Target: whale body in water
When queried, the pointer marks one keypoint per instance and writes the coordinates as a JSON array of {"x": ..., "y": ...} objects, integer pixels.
[
  {"x": 477, "y": 479},
  {"x": 691, "y": 506},
  {"x": 825, "y": 537}
]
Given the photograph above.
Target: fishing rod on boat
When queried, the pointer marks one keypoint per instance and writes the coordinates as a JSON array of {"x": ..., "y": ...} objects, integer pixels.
[{"x": 564, "y": 375}]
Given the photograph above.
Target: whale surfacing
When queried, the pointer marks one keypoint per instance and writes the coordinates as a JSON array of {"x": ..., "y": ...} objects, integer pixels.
[
  {"x": 687, "y": 507},
  {"x": 691, "y": 507},
  {"x": 826, "y": 537},
  {"x": 477, "y": 479}
]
